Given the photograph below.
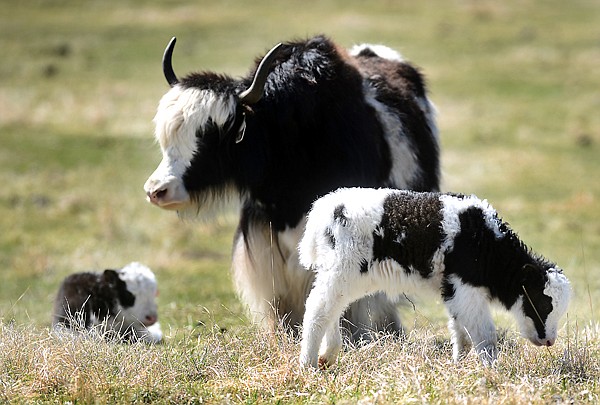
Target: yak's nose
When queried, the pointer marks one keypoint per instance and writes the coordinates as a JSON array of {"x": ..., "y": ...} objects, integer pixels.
[
  {"x": 168, "y": 193},
  {"x": 544, "y": 342},
  {"x": 155, "y": 196},
  {"x": 156, "y": 189},
  {"x": 150, "y": 320}
]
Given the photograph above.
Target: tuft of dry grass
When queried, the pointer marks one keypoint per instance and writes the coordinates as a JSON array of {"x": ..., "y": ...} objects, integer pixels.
[{"x": 247, "y": 366}]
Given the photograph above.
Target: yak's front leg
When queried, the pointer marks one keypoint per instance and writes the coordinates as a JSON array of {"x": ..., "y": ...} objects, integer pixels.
[
  {"x": 459, "y": 338},
  {"x": 471, "y": 319}
]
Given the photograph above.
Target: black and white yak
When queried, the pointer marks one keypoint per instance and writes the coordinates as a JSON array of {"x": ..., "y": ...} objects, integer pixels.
[
  {"x": 118, "y": 304},
  {"x": 366, "y": 241},
  {"x": 310, "y": 118}
]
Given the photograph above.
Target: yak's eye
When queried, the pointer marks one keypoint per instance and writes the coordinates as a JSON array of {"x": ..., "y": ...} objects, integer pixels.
[{"x": 544, "y": 305}]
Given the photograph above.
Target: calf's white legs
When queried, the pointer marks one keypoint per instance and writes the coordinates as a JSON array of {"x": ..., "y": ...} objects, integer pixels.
[
  {"x": 321, "y": 338},
  {"x": 471, "y": 322}
]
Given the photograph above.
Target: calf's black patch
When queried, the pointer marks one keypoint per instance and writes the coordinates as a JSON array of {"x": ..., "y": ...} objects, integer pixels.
[
  {"x": 339, "y": 215},
  {"x": 330, "y": 237},
  {"x": 410, "y": 231}
]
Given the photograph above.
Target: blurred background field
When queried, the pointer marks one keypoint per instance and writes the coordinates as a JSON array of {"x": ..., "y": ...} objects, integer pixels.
[{"x": 516, "y": 84}]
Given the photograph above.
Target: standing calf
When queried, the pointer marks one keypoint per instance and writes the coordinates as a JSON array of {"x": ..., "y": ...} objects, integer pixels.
[
  {"x": 363, "y": 241},
  {"x": 120, "y": 302}
]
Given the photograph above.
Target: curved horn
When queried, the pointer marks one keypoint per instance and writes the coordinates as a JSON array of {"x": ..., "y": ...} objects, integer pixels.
[
  {"x": 255, "y": 92},
  {"x": 167, "y": 66}
]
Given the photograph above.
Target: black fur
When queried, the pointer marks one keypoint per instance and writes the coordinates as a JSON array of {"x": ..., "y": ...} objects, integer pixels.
[
  {"x": 97, "y": 294},
  {"x": 311, "y": 133},
  {"x": 410, "y": 231},
  {"x": 339, "y": 215},
  {"x": 503, "y": 266},
  {"x": 364, "y": 266},
  {"x": 330, "y": 237}
]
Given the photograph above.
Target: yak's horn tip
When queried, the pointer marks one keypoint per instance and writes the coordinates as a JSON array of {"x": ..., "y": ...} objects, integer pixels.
[
  {"x": 254, "y": 93},
  {"x": 167, "y": 64}
]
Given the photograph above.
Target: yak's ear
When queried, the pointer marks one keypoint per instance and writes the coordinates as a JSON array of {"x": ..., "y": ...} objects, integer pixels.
[
  {"x": 110, "y": 276},
  {"x": 241, "y": 132},
  {"x": 532, "y": 275}
]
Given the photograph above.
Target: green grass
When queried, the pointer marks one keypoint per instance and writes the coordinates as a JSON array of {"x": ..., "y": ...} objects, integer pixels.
[{"x": 516, "y": 86}]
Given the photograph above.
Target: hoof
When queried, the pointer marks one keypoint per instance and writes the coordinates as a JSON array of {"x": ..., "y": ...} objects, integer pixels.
[{"x": 323, "y": 363}]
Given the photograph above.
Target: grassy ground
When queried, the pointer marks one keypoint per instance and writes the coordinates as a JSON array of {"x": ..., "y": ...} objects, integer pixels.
[{"x": 516, "y": 85}]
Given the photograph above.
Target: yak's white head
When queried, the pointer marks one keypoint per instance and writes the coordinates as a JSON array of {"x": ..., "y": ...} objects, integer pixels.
[
  {"x": 198, "y": 122},
  {"x": 140, "y": 283},
  {"x": 186, "y": 128},
  {"x": 544, "y": 300}
]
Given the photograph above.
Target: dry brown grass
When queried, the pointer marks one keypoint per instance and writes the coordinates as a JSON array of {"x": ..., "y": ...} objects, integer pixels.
[{"x": 246, "y": 366}]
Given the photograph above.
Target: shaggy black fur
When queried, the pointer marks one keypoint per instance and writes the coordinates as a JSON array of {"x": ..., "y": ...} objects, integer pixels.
[
  {"x": 312, "y": 132},
  {"x": 504, "y": 266},
  {"x": 82, "y": 295},
  {"x": 410, "y": 231}
]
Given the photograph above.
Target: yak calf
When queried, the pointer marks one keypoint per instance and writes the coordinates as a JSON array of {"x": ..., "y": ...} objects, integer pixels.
[
  {"x": 364, "y": 241},
  {"x": 119, "y": 302}
]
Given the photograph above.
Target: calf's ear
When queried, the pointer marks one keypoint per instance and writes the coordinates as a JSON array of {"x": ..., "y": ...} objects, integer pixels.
[
  {"x": 110, "y": 276},
  {"x": 532, "y": 275}
]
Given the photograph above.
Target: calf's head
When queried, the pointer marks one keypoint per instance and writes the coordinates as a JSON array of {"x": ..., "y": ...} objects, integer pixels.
[
  {"x": 544, "y": 298},
  {"x": 198, "y": 122},
  {"x": 136, "y": 292}
]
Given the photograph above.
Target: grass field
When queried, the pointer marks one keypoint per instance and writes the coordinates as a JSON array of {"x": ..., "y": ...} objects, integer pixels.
[{"x": 518, "y": 92}]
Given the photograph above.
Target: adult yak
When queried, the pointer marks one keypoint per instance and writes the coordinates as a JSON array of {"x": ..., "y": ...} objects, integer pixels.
[{"x": 310, "y": 118}]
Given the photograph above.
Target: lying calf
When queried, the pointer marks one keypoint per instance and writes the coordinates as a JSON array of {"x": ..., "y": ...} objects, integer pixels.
[
  {"x": 361, "y": 241},
  {"x": 119, "y": 302}
]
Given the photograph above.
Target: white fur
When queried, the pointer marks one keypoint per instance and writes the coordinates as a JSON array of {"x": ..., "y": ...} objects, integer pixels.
[
  {"x": 339, "y": 281},
  {"x": 143, "y": 315},
  {"x": 392, "y": 125},
  {"x": 471, "y": 321},
  {"x": 271, "y": 282},
  {"x": 181, "y": 113},
  {"x": 380, "y": 50},
  {"x": 405, "y": 166}
]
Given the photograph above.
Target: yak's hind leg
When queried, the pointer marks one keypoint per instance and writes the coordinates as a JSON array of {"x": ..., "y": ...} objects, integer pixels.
[
  {"x": 330, "y": 345},
  {"x": 331, "y": 294}
]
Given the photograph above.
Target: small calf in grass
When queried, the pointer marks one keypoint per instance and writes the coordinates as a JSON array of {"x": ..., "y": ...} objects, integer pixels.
[
  {"x": 363, "y": 241},
  {"x": 122, "y": 303}
]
